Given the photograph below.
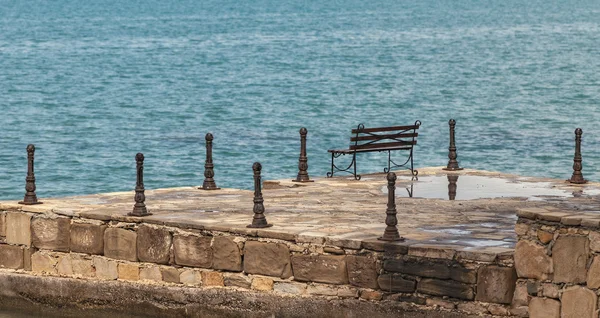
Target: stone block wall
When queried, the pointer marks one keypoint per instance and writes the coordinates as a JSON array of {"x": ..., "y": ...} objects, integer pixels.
[
  {"x": 557, "y": 259},
  {"x": 427, "y": 276}
]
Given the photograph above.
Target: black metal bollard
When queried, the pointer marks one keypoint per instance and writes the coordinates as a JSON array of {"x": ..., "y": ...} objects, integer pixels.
[
  {"x": 209, "y": 173},
  {"x": 259, "y": 220},
  {"x": 30, "y": 196},
  {"x": 577, "y": 176},
  {"x": 391, "y": 230},
  {"x": 303, "y": 160},
  {"x": 452, "y": 187},
  {"x": 452, "y": 163},
  {"x": 139, "y": 209}
]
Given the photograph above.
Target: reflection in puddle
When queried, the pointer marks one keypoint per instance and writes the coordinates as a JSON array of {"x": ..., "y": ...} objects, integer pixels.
[{"x": 465, "y": 187}]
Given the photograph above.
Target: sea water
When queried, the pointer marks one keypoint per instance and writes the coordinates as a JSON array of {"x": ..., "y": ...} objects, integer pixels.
[{"x": 93, "y": 83}]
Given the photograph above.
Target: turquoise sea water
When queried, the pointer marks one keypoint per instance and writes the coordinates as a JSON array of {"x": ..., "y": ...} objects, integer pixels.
[{"x": 93, "y": 83}]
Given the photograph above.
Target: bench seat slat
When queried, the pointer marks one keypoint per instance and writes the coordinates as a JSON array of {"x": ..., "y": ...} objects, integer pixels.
[
  {"x": 349, "y": 151},
  {"x": 384, "y": 145},
  {"x": 386, "y": 136},
  {"x": 381, "y": 129}
]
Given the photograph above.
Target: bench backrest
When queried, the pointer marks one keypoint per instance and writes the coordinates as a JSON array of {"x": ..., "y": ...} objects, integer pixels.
[{"x": 401, "y": 137}]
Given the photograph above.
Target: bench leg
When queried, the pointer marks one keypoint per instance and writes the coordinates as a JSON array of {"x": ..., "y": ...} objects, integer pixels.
[
  {"x": 330, "y": 174},
  {"x": 356, "y": 176},
  {"x": 335, "y": 168}
]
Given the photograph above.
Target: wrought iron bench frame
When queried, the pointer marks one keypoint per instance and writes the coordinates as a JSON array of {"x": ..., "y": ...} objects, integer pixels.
[{"x": 368, "y": 140}]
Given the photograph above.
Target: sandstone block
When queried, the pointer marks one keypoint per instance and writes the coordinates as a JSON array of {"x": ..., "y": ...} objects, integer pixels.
[
  {"x": 170, "y": 275},
  {"x": 83, "y": 266},
  {"x": 371, "y": 294},
  {"x": 570, "y": 256},
  {"x": 270, "y": 259},
  {"x": 18, "y": 228},
  {"x": 347, "y": 292},
  {"x": 191, "y": 277},
  {"x": 212, "y": 279},
  {"x": 262, "y": 283},
  {"x": 322, "y": 290},
  {"x": 87, "y": 238},
  {"x": 550, "y": 290},
  {"x": 105, "y": 269},
  {"x": 578, "y": 302},
  {"x": 151, "y": 273},
  {"x": 422, "y": 268},
  {"x": 289, "y": 288},
  {"x": 499, "y": 310},
  {"x": 473, "y": 308},
  {"x": 226, "y": 254},
  {"x": 448, "y": 288},
  {"x": 521, "y": 296},
  {"x": 193, "y": 250},
  {"x": 11, "y": 256},
  {"x": 531, "y": 261},
  {"x": 51, "y": 234},
  {"x": 27, "y": 252},
  {"x": 463, "y": 275},
  {"x": 544, "y": 308},
  {"x": 593, "y": 276},
  {"x": 362, "y": 271},
  {"x": 496, "y": 284},
  {"x": 2, "y": 223},
  {"x": 395, "y": 283},
  {"x": 320, "y": 268},
  {"x": 237, "y": 280},
  {"x": 128, "y": 271},
  {"x": 153, "y": 244},
  {"x": 43, "y": 263},
  {"x": 120, "y": 244},
  {"x": 522, "y": 228},
  {"x": 545, "y": 237},
  {"x": 64, "y": 266},
  {"x": 440, "y": 303},
  {"x": 594, "y": 241}
]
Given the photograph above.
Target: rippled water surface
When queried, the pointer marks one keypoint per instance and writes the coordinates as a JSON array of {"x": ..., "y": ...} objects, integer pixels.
[{"x": 92, "y": 83}]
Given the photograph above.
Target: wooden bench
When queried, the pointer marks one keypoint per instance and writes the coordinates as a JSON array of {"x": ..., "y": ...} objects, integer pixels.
[{"x": 378, "y": 139}]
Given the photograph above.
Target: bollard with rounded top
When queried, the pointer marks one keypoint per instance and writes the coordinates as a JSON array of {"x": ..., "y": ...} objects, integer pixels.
[
  {"x": 452, "y": 162},
  {"x": 577, "y": 176},
  {"x": 303, "y": 160},
  {"x": 391, "y": 230},
  {"x": 209, "y": 173},
  {"x": 139, "y": 209},
  {"x": 259, "y": 220},
  {"x": 30, "y": 196}
]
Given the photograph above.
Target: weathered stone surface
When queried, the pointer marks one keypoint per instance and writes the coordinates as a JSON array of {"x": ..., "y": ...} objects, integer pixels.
[
  {"x": 193, "y": 250},
  {"x": 151, "y": 273},
  {"x": 270, "y": 259},
  {"x": 463, "y": 275},
  {"x": 212, "y": 279},
  {"x": 545, "y": 237},
  {"x": 371, "y": 295},
  {"x": 531, "y": 261},
  {"x": 87, "y": 238},
  {"x": 595, "y": 241},
  {"x": 153, "y": 244},
  {"x": 18, "y": 228},
  {"x": 593, "y": 276},
  {"x": 496, "y": 284},
  {"x": 550, "y": 290},
  {"x": 521, "y": 297},
  {"x": 2, "y": 223},
  {"x": 237, "y": 280},
  {"x": 105, "y": 268},
  {"x": 362, "y": 271},
  {"x": 82, "y": 266},
  {"x": 578, "y": 302},
  {"x": 499, "y": 310},
  {"x": 128, "y": 271},
  {"x": 226, "y": 254},
  {"x": 347, "y": 292},
  {"x": 522, "y": 228},
  {"x": 432, "y": 251},
  {"x": 445, "y": 288},
  {"x": 440, "y": 303},
  {"x": 320, "y": 268},
  {"x": 190, "y": 277},
  {"x": 570, "y": 256},
  {"x": 64, "y": 266},
  {"x": 51, "y": 234},
  {"x": 43, "y": 263},
  {"x": 395, "y": 283},
  {"x": 170, "y": 275},
  {"x": 262, "y": 283},
  {"x": 120, "y": 244},
  {"x": 27, "y": 252},
  {"x": 423, "y": 269},
  {"x": 289, "y": 288},
  {"x": 520, "y": 311},
  {"x": 322, "y": 290},
  {"x": 11, "y": 256},
  {"x": 544, "y": 308},
  {"x": 473, "y": 308}
]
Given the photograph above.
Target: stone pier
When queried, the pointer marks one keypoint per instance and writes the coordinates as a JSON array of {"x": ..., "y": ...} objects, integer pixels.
[{"x": 194, "y": 256}]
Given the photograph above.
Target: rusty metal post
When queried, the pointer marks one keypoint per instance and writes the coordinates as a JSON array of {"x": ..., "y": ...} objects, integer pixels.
[
  {"x": 303, "y": 160},
  {"x": 139, "y": 209},
  {"x": 452, "y": 179},
  {"x": 577, "y": 176},
  {"x": 209, "y": 173},
  {"x": 391, "y": 231},
  {"x": 452, "y": 163},
  {"x": 30, "y": 196},
  {"x": 259, "y": 220}
]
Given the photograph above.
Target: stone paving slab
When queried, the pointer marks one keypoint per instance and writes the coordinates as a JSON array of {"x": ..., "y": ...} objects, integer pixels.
[{"x": 347, "y": 213}]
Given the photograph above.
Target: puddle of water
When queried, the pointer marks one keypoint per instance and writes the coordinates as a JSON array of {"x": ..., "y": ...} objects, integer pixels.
[{"x": 454, "y": 187}]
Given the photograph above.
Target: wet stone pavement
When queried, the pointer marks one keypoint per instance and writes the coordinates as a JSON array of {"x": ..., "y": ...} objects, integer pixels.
[{"x": 469, "y": 210}]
